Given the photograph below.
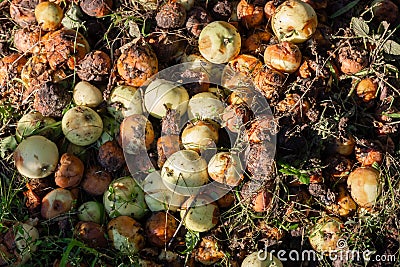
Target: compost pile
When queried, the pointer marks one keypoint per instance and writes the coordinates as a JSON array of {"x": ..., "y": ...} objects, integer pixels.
[{"x": 196, "y": 133}]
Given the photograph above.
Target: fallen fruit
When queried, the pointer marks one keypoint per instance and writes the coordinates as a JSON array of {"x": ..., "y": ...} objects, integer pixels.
[
  {"x": 365, "y": 187},
  {"x": 36, "y": 157},
  {"x": 219, "y": 42},
  {"x": 125, "y": 197},
  {"x": 82, "y": 126},
  {"x": 126, "y": 235},
  {"x": 198, "y": 214},
  {"x": 294, "y": 21}
]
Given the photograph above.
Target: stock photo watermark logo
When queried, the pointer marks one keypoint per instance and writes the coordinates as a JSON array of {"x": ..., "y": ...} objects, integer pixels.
[
  {"x": 342, "y": 253},
  {"x": 185, "y": 172}
]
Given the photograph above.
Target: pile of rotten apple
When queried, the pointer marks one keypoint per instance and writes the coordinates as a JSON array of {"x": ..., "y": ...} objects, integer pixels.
[{"x": 112, "y": 157}]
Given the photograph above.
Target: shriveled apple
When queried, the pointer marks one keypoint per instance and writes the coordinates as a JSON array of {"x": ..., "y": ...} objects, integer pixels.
[{"x": 69, "y": 172}]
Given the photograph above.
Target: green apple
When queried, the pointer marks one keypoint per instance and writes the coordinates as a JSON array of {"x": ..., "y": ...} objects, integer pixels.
[{"x": 125, "y": 197}]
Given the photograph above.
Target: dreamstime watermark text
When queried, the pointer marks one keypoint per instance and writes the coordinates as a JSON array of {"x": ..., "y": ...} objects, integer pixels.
[{"x": 342, "y": 253}]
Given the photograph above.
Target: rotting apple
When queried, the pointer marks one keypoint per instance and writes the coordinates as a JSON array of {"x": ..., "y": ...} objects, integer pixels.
[
  {"x": 57, "y": 202},
  {"x": 325, "y": 235},
  {"x": 137, "y": 63},
  {"x": 160, "y": 228},
  {"x": 34, "y": 122},
  {"x": 69, "y": 172},
  {"x": 124, "y": 101},
  {"x": 284, "y": 57},
  {"x": 184, "y": 171},
  {"x": 219, "y": 42},
  {"x": 209, "y": 251},
  {"x": 205, "y": 105},
  {"x": 294, "y": 21},
  {"x": 36, "y": 157},
  {"x": 250, "y": 15},
  {"x": 159, "y": 197},
  {"x": 125, "y": 197},
  {"x": 365, "y": 187},
  {"x": 199, "y": 213},
  {"x": 126, "y": 235},
  {"x": 82, "y": 125},
  {"x": 26, "y": 236},
  {"x": 91, "y": 233},
  {"x": 226, "y": 168},
  {"x": 48, "y": 15},
  {"x": 162, "y": 92},
  {"x": 91, "y": 211},
  {"x": 86, "y": 94},
  {"x": 96, "y": 180},
  {"x": 136, "y": 133},
  {"x": 200, "y": 135}
]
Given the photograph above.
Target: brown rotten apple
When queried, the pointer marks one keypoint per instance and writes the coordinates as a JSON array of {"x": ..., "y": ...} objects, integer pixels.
[
  {"x": 96, "y": 8},
  {"x": 96, "y": 180},
  {"x": 23, "y": 12},
  {"x": 172, "y": 15},
  {"x": 95, "y": 66},
  {"x": 137, "y": 63},
  {"x": 219, "y": 42},
  {"x": 27, "y": 41},
  {"x": 65, "y": 47},
  {"x": 69, "y": 172},
  {"x": 160, "y": 228},
  {"x": 126, "y": 234},
  {"x": 364, "y": 186},
  {"x": 56, "y": 203},
  {"x": 249, "y": 14},
  {"x": 284, "y": 57}
]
